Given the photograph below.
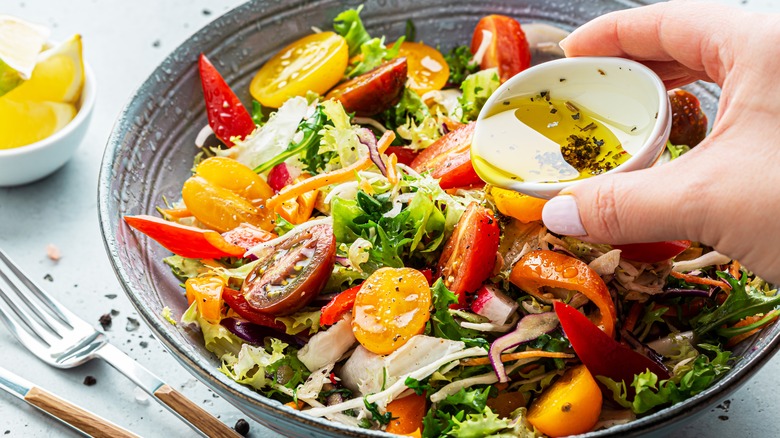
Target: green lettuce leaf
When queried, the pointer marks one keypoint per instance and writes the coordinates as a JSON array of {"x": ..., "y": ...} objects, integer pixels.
[
  {"x": 308, "y": 144},
  {"x": 442, "y": 417},
  {"x": 306, "y": 318},
  {"x": 460, "y": 61},
  {"x": 651, "y": 393},
  {"x": 411, "y": 106},
  {"x": 442, "y": 323},
  {"x": 744, "y": 300},
  {"x": 349, "y": 25},
  {"x": 339, "y": 137},
  {"x": 477, "y": 88},
  {"x": 374, "y": 54},
  {"x": 184, "y": 268},
  {"x": 676, "y": 151},
  {"x": 479, "y": 425},
  {"x": 420, "y": 135},
  {"x": 217, "y": 339}
]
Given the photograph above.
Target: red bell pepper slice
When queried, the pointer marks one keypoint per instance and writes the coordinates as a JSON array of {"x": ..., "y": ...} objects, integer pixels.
[
  {"x": 185, "y": 241},
  {"x": 227, "y": 115},
  {"x": 602, "y": 355},
  {"x": 541, "y": 268},
  {"x": 235, "y": 299},
  {"x": 652, "y": 252},
  {"x": 338, "y": 306},
  {"x": 404, "y": 154}
]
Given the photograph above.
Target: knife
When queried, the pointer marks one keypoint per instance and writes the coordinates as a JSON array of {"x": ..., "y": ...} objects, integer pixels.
[{"x": 71, "y": 415}]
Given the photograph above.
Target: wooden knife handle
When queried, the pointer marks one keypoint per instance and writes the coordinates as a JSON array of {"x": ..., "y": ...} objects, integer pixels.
[
  {"x": 193, "y": 413},
  {"x": 75, "y": 416}
]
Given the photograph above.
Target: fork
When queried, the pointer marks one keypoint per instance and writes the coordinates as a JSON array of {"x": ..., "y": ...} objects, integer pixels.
[{"x": 63, "y": 340}]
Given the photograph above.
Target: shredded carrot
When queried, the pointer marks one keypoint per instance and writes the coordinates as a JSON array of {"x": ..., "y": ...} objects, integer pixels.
[
  {"x": 633, "y": 316},
  {"x": 688, "y": 278},
  {"x": 325, "y": 179},
  {"x": 297, "y": 406},
  {"x": 747, "y": 321},
  {"x": 392, "y": 172},
  {"x": 735, "y": 269},
  {"x": 518, "y": 355}
]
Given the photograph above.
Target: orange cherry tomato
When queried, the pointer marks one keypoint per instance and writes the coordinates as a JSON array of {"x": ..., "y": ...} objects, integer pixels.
[
  {"x": 541, "y": 268},
  {"x": 206, "y": 291},
  {"x": 224, "y": 193},
  {"x": 408, "y": 413},
  {"x": 518, "y": 205},
  {"x": 391, "y": 307},
  {"x": 426, "y": 67},
  {"x": 508, "y": 48},
  {"x": 315, "y": 62},
  {"x": 571, "y": 406}
]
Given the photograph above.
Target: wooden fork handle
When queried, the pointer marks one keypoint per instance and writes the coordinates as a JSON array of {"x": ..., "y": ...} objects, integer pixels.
[
  {"x": 80, "y": 418},
  {"x": 196, "y": 415}
]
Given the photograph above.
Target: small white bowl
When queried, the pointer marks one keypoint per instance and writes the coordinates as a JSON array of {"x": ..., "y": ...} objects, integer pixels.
[
  {"x": 32, "y": 162},
  {"x": 614, "y": 88}
]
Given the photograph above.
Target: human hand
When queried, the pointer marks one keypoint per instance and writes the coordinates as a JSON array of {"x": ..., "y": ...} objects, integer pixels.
[{"x": 726, "y": 191}]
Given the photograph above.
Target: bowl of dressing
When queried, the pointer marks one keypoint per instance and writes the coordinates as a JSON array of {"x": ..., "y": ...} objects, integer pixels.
[{"x": 566, "y": 120}]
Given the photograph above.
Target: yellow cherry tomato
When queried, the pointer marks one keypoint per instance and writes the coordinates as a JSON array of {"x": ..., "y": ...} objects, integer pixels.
[
  {"x": 571, "y": 406},
  {"x": 315, "y": 62},
  {"x": 236, "y": 177},
  {"x": 206, "y": 291},
  {"x": 427, "y": 68},
  {"x": 391, "y": 307},
  {"x": 224, "y": 193},
  {"x": 518, "y": 205}
]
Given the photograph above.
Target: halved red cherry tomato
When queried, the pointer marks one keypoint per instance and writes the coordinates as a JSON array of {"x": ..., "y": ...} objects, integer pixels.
[
  {"x": 372, "y": 92},
  {"x": 538, "y": 269},
  {"x": 653, "y": 252},
  {"x": 428, "y": 70},
  {"x": 338, "y": 306},
  {"x": 291, "y": 275},
  {"x": 185, "y": 241},
  {"x": 392, "y": 306},
  {"x": 449, "y": 159},
  {"x": 238, "y": 303},
  {"x": 689, "y": 123},
  {"x": 508, "y": 48},
  {"x": 469, "y": 255},
  {"x": 227, "y": 116},
  {"x": 313, "y": 63}
]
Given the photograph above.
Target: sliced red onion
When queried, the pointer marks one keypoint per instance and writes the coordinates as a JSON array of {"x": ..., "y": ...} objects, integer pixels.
[
  {"x": 343, "y": 261},
  {"x": 255, "y": 334},
  {"x": 366, "y": 137},
  {"x": 676, "y": 292},
  {"x": 445, "y": 129},
  {"x": 528, "y": 329},
  {"x": 643, "y": 349}
]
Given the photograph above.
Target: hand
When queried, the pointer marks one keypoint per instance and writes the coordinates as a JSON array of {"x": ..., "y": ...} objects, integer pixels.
[{"x": 726, "y": 191}]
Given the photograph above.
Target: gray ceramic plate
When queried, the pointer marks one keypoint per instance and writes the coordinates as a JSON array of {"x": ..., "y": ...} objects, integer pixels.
[{"x": 150, "y": 153}]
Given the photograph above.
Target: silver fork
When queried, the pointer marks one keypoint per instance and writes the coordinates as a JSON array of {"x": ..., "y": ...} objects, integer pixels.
[{"x": 63, "y": 340}]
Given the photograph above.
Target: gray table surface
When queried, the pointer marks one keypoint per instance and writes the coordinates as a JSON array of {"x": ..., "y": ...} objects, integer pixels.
[{"x": 124, "y": 41}]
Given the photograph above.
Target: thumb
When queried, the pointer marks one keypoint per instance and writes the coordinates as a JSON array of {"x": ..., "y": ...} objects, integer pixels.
[{"x": 649, "y": 205}]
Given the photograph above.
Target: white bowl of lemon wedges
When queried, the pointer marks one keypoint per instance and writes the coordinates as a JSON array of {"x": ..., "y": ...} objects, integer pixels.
[{"x": 47, "y": 94}]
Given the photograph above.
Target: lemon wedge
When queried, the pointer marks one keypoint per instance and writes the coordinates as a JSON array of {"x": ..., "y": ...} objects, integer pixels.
[
  {"x": 58, "y": 76},
  {"x": 20, "y": 44},
  {"x": 23, "y": 123}
]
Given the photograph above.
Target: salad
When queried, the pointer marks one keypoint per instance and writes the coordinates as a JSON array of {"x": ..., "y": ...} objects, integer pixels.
[{"x": 340, "y": 254}]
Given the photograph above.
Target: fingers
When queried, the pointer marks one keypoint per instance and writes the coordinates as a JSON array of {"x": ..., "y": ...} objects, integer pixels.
[
  {"x": 697, "y": 35},
  {"x": 650, "y": 205}
]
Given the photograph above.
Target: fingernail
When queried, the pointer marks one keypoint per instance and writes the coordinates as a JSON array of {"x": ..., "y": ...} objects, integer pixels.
[
  {"x": 562, "y": 216},
  {"x": 562, "y": 43}
]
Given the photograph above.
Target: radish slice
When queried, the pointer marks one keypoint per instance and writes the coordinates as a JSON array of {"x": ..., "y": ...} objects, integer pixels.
[
  {"x": 494, "y": 305},
  {"x": 528, "y": 329}
]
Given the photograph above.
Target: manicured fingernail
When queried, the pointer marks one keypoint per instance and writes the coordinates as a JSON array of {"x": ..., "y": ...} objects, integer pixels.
[
  {"x": 562, "y": 43},
  {"x": 562, "y": 216}
]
